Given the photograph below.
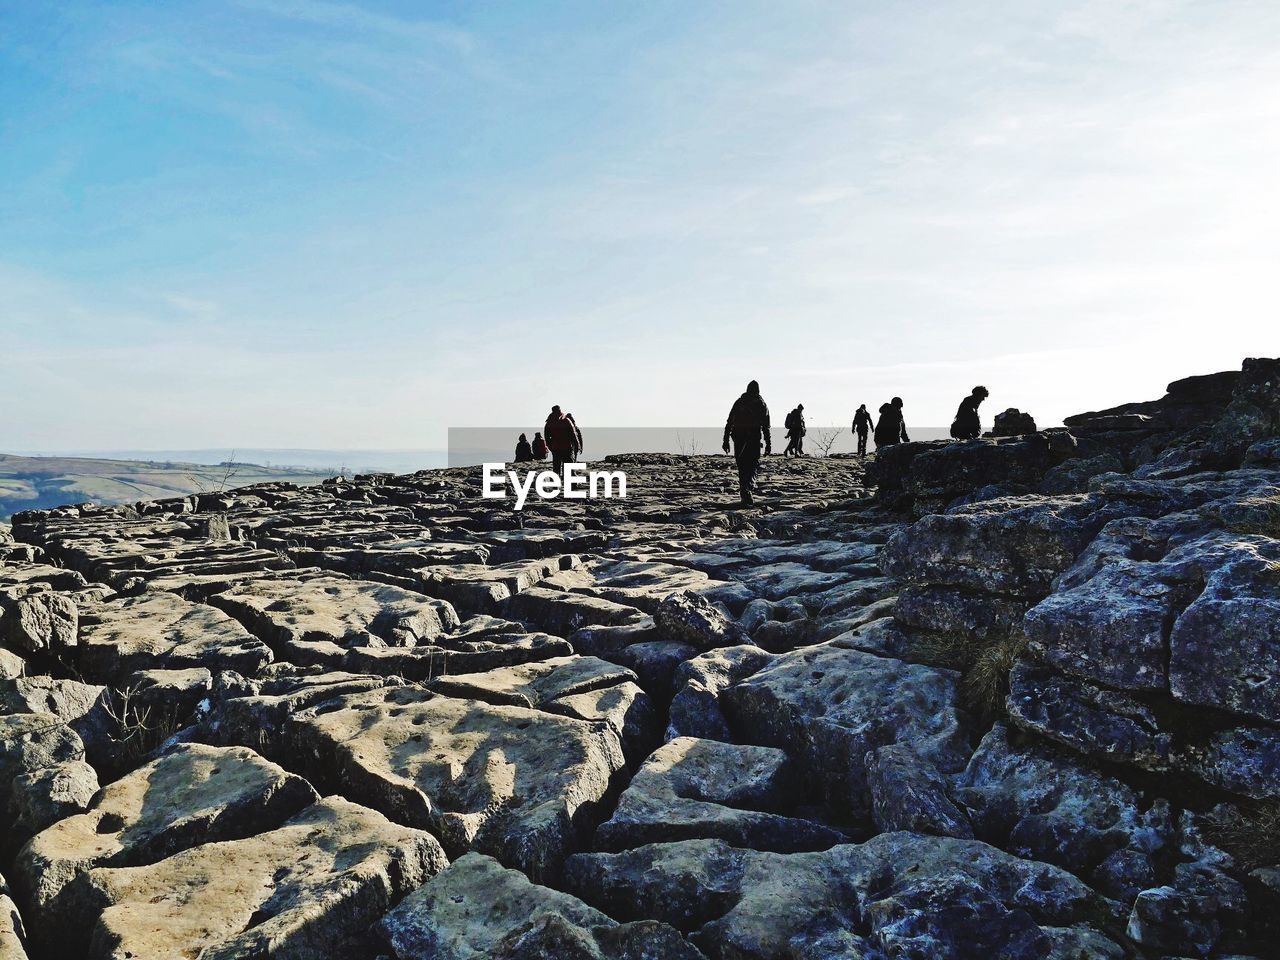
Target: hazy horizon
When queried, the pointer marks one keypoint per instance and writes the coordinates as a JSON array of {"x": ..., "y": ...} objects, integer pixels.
[{"x": 270, "y": 224}]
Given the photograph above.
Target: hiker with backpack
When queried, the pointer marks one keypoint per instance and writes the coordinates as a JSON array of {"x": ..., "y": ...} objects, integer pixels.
[
  {"x": 747, "y": 426},
  {"x": 795, "y": 432},
  {"x": 891, "y": 428}
]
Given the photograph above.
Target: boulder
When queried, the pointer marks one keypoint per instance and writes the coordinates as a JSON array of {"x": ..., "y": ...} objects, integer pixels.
[
  {"x": 899, "y": 894},
  {"x": 163, "y": 631},
  {"x": 694, "y": 789},
  {"x": 192, "y": 795},
  {"x": 695, "y": 708},
  {"x": 688, "y": 618},
  {"x": 340, "y": 611},
  {"x": 305, "y": 889},
  {"x": 908, "y": 793},
  {"x": 1012, "y": 423},
  {"x": 13, "y": 939},
  {"x": 828, "y": 705},
  {"x": 42, "y": 623},
  {"x": 1040, "y": 803},
  {"x": 510, "y": 781},
  {"x": 478, "y": 910}
]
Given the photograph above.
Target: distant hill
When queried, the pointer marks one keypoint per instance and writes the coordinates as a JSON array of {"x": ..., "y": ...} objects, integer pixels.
[{"x": 28, "y": 483}]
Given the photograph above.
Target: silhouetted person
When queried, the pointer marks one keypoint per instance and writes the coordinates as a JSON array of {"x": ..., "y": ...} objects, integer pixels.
[
  {"x": 861, "y": 427},
  {"x": 524, "y": 452},
  {"x": 795, "y": 432},
  {"x": 748, "y": 426},
  {"x": 577, "y": 437},
  {"x": 561, "y": 436},
  {"x": 967, "y": 425},
  {"x": 891, "y": 428},
  {"x": 539, "y": 447}
]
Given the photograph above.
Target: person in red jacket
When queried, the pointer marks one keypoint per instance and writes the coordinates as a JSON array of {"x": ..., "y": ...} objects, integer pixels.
[{"x": 562, "y": 438}]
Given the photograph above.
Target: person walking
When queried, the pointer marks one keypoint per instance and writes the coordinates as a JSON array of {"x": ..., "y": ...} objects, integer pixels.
[
  {"x": 562, "y": 436},
  {"x": 795, "y": 432},
  {"x": 891, "y": 428},
  {"x": 577, "y": 437},
  {"x": 861, "y": 427},
  {"x": 748, "y": 426},
  {"x": 968, "y": 425}
]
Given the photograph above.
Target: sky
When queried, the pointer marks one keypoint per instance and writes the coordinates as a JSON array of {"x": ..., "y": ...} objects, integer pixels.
[{"x": 277, "y": 223}]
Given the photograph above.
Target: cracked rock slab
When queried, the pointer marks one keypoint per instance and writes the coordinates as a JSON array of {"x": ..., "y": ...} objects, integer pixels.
[
  {"x": 510, "y": 781},
  {"x": 163, "y": 631},
  {"x": 192, "y": 795},
  {"x": 299, "y": 891}
]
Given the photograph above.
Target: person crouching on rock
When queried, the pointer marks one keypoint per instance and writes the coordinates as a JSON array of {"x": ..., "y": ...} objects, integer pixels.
[
  {"x": 891, "y": 428},
  {"x": 562, "y": 437},
  {"x": 862, "y": 426},
  {"x": 748, "y": 426},
  {"x": 967, "y": 425},
  {"x": 524, "y": 452}
]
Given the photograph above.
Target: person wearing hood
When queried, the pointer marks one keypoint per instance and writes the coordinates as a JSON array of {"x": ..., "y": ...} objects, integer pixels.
[
  {"x": 861, "y": 427},
  {"x": 795, "y": 432},
  {"x": 524, "y": 452},
  {"x": 562, "y": 438},
  {"x": 748, "y": 427},
  {"x": 967, "y": 425},
  {"x": 577, "y": 437},
  {"x": 539, "y": 449},
  {"x": 891, "y": 428}
]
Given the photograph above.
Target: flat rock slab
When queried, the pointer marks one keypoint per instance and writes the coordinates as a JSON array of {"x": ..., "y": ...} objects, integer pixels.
[
  {"x": 509, "y": 781},
  {"x": 562, "y": 613},
  {"x": 704, "y": 789},
  {"x": 828, "y": 705},
  {"x": 534, "y": 684},
  {"x": 339, "y": 611},
  {"x": 299, "y": 891},
  {"x": 194, "y": 794},
  {"x": 475, "y": 586},
  {"x": 163, "y": 631},
  {"x": 478, "y": 910}
]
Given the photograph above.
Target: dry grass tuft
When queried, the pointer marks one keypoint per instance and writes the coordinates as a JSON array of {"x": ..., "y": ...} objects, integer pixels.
[{"x": 1252, "y": 838}]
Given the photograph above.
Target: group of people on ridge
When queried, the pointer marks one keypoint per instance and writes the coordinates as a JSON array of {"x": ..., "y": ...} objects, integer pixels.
[
  {"x": 560, "y": 437},
  {"x": 748, "y": 429}
]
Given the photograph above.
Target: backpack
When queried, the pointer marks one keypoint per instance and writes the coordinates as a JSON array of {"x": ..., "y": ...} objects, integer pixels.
[{"x": 790, "y": 422}]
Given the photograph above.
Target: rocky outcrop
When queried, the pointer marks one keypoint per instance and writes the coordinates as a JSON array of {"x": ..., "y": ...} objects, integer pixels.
[{"x": 1020, "y": 703}]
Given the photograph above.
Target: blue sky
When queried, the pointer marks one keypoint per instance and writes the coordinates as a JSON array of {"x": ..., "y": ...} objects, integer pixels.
[{"x": 312, "y": 224}]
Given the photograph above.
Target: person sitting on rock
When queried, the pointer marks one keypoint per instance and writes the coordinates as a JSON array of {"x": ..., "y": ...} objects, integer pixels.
[
  {"x": 795, "y": 432},
  {"x": 967, "y": 425},
  {"x": 862, "y": 426},
  {"x": 524, "y": 452},
  {"x": 562, "y": 438},
  {"x": 539, "y": 449},
  {"x": 891, "y": 428},
  {"x": 747, "y": 426}
]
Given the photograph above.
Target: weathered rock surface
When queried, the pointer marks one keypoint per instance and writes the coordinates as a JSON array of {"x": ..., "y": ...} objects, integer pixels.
[
  {"x": 195, "y": 794},
  {"x": 510, "y": 781},
  {"x": 478, "y": 910},
  {"x": 301, "y": 890},
  {"x": 1034, "y": 677}
]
